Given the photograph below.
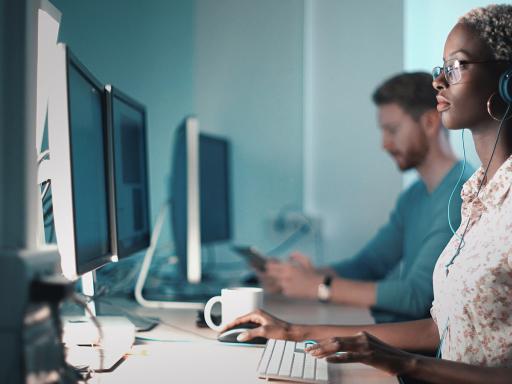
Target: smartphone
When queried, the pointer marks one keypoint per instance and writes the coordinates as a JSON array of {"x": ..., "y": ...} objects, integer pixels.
[{"x": 255, "y": 258}]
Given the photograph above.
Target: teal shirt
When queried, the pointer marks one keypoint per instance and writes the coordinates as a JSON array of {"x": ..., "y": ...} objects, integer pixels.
[{"x": 402, "y": 255}]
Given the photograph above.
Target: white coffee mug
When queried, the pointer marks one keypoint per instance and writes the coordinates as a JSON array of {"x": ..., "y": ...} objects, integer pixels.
[{"x": 234, "y": 302}]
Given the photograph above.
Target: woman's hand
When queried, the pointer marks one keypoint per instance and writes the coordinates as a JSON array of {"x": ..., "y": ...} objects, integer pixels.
[
  {"x": 270, "y": 327},
  {"x": 367, "y": 349}
]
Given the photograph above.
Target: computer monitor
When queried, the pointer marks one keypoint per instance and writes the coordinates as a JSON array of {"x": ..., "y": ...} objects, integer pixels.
[
  {"x": 82, "y": 199},
  {"x": 77, "y": 133},
  {"x": 129, "y": 200},
  {"x": 201, "y": 208},
  {"x": 214, "y": 189}
]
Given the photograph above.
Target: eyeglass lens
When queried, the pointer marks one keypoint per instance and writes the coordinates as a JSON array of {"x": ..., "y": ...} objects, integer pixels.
[{"x": 451, "y": 71}]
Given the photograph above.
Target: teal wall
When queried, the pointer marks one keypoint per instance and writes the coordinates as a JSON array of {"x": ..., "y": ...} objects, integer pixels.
[
  {"x": 248, "y": 87},
  {"x": 147, "y": 50},
  {"x": 350, "y": 182}
]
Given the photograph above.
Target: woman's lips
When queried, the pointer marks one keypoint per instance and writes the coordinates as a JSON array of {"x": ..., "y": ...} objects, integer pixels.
[{"x": 442, "y": 103}]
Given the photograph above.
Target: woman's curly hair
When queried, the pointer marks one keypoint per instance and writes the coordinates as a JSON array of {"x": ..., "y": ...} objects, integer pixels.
[{"x": 494, "y": 25}]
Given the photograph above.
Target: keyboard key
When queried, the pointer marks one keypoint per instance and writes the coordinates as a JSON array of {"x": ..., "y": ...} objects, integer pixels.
[
  {"x": 321, "y": 369},
  {"x": 300, "y": 346},
  {"x": 309, "y": 367},
  {"x": 286, "y": 363},
  {"x": 265, "y": 358},
  {"x": 275, "y": 361},
  {"x": 298, "y": 364}
]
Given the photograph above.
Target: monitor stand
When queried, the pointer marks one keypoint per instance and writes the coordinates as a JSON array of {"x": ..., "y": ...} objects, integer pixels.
[
  {"x": 183, "y": 294},
  {"x": 96, "y": 342}
]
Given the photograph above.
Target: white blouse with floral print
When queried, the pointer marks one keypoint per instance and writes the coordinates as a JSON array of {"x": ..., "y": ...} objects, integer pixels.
[{"x": 473, "y": 302}]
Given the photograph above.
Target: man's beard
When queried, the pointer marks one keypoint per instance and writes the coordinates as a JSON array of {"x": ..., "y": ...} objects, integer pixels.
[{"x": 411, "y": 159}]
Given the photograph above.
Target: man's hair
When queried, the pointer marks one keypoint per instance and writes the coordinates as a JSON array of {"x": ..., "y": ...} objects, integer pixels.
[
  {"x": 413, "y": 92},
  {"x": 494, "y": 25}
]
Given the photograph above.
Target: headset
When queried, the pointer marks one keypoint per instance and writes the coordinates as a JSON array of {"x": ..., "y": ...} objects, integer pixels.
[{"x": 505, "y": 86}]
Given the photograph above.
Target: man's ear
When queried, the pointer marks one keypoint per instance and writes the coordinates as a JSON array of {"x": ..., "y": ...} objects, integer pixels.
[{"x": 431, "y": 122}]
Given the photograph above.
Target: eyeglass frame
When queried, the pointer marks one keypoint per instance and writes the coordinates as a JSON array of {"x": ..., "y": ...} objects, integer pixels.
[{"x": 442, "y": 70}]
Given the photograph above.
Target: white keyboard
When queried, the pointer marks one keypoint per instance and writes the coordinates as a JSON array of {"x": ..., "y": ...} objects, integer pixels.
[{"x": 286, "y": 360}]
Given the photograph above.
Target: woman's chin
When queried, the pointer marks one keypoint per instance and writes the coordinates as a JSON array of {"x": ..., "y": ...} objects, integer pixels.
[{"x": 449, "y": 122}]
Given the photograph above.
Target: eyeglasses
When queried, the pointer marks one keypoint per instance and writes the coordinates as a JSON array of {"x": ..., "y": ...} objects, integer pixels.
[{"x": 452, "y": 69}]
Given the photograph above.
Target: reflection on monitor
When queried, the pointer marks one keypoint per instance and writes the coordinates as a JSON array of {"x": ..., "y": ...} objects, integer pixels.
[
  {"x": 130, "y": 206},
  {"x": 200, "y": 195},
  {"x": 77, "y": 140}
]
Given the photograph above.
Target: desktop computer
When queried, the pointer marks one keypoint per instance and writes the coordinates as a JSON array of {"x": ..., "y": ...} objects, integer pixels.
[
  {"x": 98, "y": 175},
  {"x": 200, "y": 195},
  {"x": 77, "y": 135},
  {"x": 200, "y": 211}
]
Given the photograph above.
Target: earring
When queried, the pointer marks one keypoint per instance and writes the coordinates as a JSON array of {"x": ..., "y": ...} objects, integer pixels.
[{"x": 489, "y": 105}]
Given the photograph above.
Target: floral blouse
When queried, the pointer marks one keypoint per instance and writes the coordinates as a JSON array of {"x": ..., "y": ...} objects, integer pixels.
[{"x": 472, "y": 304}]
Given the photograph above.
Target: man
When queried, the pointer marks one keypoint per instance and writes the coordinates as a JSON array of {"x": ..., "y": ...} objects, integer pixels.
[{"x": 392, "y": 274}]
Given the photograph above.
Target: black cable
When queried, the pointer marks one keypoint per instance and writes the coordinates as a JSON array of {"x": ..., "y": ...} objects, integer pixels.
[{"x": 461, "y": 242}]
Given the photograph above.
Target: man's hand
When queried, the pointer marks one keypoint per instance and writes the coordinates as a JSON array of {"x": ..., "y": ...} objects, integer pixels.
[
  {"x": 270, "y": 327},
  {"x": 301, "y": 260},
  {"x": 268, "y": 283},
  {"x": 296, "y": 278}
]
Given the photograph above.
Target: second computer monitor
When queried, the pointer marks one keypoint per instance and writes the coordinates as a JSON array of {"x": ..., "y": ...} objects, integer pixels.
[
  {"x": 201, "y": 207},
  {"x": 214, "y": 189},
  {"x": 129, "y": 175}
]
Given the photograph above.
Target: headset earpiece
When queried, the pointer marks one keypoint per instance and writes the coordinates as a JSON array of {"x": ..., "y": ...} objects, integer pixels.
[{"x": 505, "y": 86}]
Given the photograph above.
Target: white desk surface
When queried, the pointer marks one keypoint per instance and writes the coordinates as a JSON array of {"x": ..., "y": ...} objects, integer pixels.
[{"x": 187, "y": 354}]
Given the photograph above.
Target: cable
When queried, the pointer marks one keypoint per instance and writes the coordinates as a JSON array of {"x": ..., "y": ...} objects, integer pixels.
[
  {"x": 151, "y": 322},
  {"x": 461, "y": 242},
  {"x": 83, "y": 304},
  {"x": 455, "y": 187}
]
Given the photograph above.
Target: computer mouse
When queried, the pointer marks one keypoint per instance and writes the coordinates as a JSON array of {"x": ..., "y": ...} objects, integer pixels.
[{"x": 231, "y": 334}]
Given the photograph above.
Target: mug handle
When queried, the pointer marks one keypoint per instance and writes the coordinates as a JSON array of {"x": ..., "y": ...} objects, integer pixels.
[{"x": 208, "y": 310}]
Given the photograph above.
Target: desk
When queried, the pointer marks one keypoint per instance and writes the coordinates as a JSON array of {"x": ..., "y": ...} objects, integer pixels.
[{"x": 188, "y": 354}]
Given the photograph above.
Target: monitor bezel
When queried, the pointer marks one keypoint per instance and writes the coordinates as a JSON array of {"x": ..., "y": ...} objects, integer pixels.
[
  {"x": 187, "y": 133},
  {"x": 60, "y": 145}
]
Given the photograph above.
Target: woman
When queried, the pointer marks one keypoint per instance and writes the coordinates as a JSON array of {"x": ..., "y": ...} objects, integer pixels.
[{"x": 472, "y": 309}]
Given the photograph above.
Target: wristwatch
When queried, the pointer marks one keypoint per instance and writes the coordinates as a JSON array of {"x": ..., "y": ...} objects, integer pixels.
[{"x": 324, "y": 290}]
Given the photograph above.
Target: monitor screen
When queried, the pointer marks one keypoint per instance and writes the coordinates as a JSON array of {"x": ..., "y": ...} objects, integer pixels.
[
  {"x": 87, "y": 135},
  {"x": 128, "y": 130},
  {"x": 214, "y": 189}
]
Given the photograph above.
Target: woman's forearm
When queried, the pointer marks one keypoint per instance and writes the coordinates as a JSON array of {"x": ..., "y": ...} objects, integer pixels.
[
  {"x": 443, "y": 371},
  {"x": 419, "y": 335}
]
